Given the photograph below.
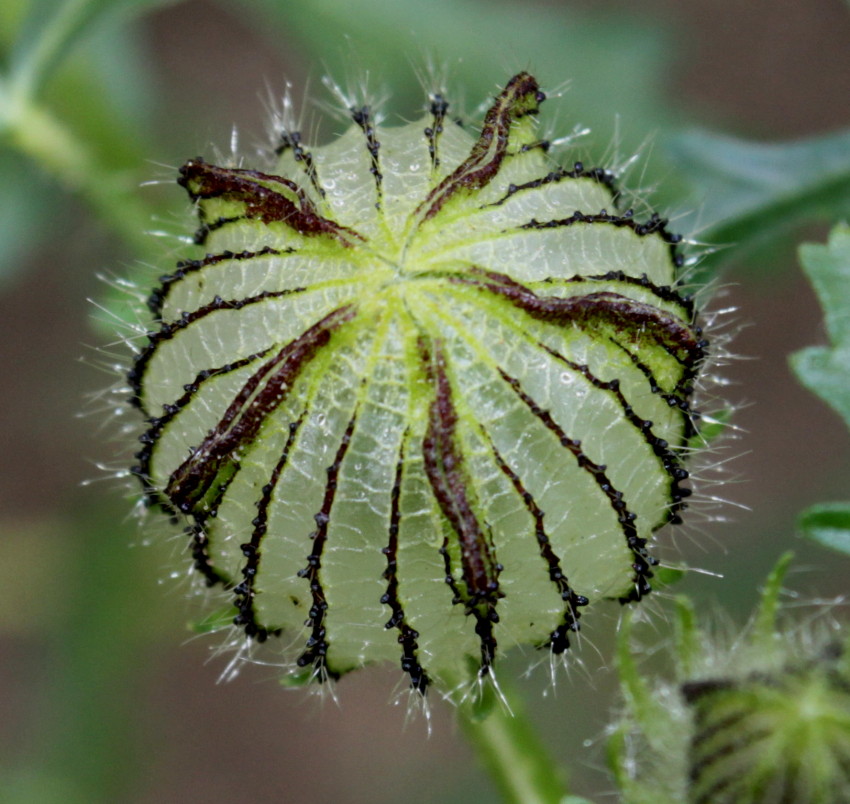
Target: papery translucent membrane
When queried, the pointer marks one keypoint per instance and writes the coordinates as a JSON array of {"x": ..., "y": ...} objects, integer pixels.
[{"x": 423, "y": 398}]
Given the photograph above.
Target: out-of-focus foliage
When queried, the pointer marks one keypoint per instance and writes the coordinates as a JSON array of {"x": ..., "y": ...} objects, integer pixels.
[
  {"x": 79, "y": 107},
  {"x": 825, "y": 370},
  {"x": 763, "y": 717},
  {"x": 392, "y": 42},
  {"x": 750, "y": 194}
]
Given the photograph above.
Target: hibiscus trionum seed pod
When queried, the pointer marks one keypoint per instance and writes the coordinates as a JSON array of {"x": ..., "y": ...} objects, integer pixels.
[{"x": 424, "y": 398}]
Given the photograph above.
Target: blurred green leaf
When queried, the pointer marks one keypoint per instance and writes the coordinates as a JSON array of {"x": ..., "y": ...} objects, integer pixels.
[
  {"x": 748, "y": 192},
  {"x": 52, "y": 28},
  {"x": 828, "y": 269},
  {"x": 828, "y": 524},
  {"x": 105, "y": 93},
  {"x": 480, "y": 44},
  {"x": 86, "y": 135},
  {"x": 12, "y": 12},
  {"x": 26, "y": 201},
  {"x": 825, "y": 370}
]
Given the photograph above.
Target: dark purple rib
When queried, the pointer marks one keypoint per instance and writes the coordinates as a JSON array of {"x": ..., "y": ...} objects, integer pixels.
[
  {"x": 559, "y": 639},
  {"x": 665, "y": 293},
  {"x": 316, "y": 649},
  {"x": 241, "y": 421},
  {"x": 168, "y": 331},
  {"x": 642, "y": 561},
  {"x": 244, "y": 592},
  {"x": 439, "y": 107},
  {"x": 302, "y": 156},
  {"x": 631, "y": 318},
  {"x": 520, "y": 97},
  {"x": 670, "y": 462},
  {"x": 249, "y": 187},
  {"x": 599, "y": 175},
  {"x": 187, "y": 267},
  {"x": 152, "y": 435},
  {"x": 362, "y": 116},
  {"x": 444, "y": 469},
  {"x": 419, "y": 680},
  {"x": 656, "y": 225}
]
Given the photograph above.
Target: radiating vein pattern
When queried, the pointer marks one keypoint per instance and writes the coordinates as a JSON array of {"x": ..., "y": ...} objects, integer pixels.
[{"x": 424, "y": 397}]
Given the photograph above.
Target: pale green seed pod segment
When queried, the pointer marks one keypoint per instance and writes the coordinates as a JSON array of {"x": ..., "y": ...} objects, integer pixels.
[{"x": 425, "y": 397}]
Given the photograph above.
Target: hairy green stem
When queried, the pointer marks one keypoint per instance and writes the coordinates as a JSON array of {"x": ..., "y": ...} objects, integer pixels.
[{"x": 511, "y": 751}]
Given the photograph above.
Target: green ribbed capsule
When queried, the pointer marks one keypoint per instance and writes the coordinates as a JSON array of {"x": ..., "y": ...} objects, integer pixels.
[
  {"x": 771, "y": 738},
  {"x": 424, "y": 397},
  {"x": 760, "y": 716}
]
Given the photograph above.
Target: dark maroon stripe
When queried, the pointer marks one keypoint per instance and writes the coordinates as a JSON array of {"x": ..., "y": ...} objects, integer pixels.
[
  {"x": 477, "y": 276},
  {"x": 587, "y": 311},
  {"x": 439, "y": 108},
  {"x": 665, "y": 293},
  {"x": 520, "y": 97},
  {"x": 445, "y": 472},
  {"x": 599, "y": 175},
  {"x": 677, "y": 399},
  {"x": 419, "y": 680},
  {"x": 362, "y": 116},
  {"x": 152, "y": 435},
  {"x": 208, "y": 227},
  {"x": 241, "y": 422},
  {"x": 167, "y": 331},
  {"x": 250, "y": 187},
  {"x": 187, "y": 267},
  {"x": 200, "y": 543},
  {"x": 642, "y": 562},
  {"x": 199, "y": 546},
  {"x": 670, "y": 462},
  {"x": 316, "y": 649},
  {"x": 444, "y": 467},
  {"x": 302, "y": 156},
  {"x": 559, "y": 639},
  {"x": 244, "y": 592},
  {"x": 656, "y": 225}
]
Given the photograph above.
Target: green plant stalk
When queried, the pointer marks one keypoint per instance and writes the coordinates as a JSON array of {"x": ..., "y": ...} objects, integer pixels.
[
  {"x": 34, "y": 131},
  {"x": 510, "y": 750}
]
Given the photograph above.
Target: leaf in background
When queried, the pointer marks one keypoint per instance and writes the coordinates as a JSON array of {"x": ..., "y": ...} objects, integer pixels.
[
  {"x": 825, "y": 370},
  {"x": 828, "y": 524},
  {"x": 478, "y": 40},
  {"x": 11, "y": 14},
  {"x": 52, "y": 28},
  {"x": 88, "y": 134},
  {"x": 21, "y": 213},
  {"x": 747, "y": 192}
]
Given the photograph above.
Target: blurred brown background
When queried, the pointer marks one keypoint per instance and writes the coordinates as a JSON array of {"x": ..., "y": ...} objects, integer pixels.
[{"x": 105, "y": 697}]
